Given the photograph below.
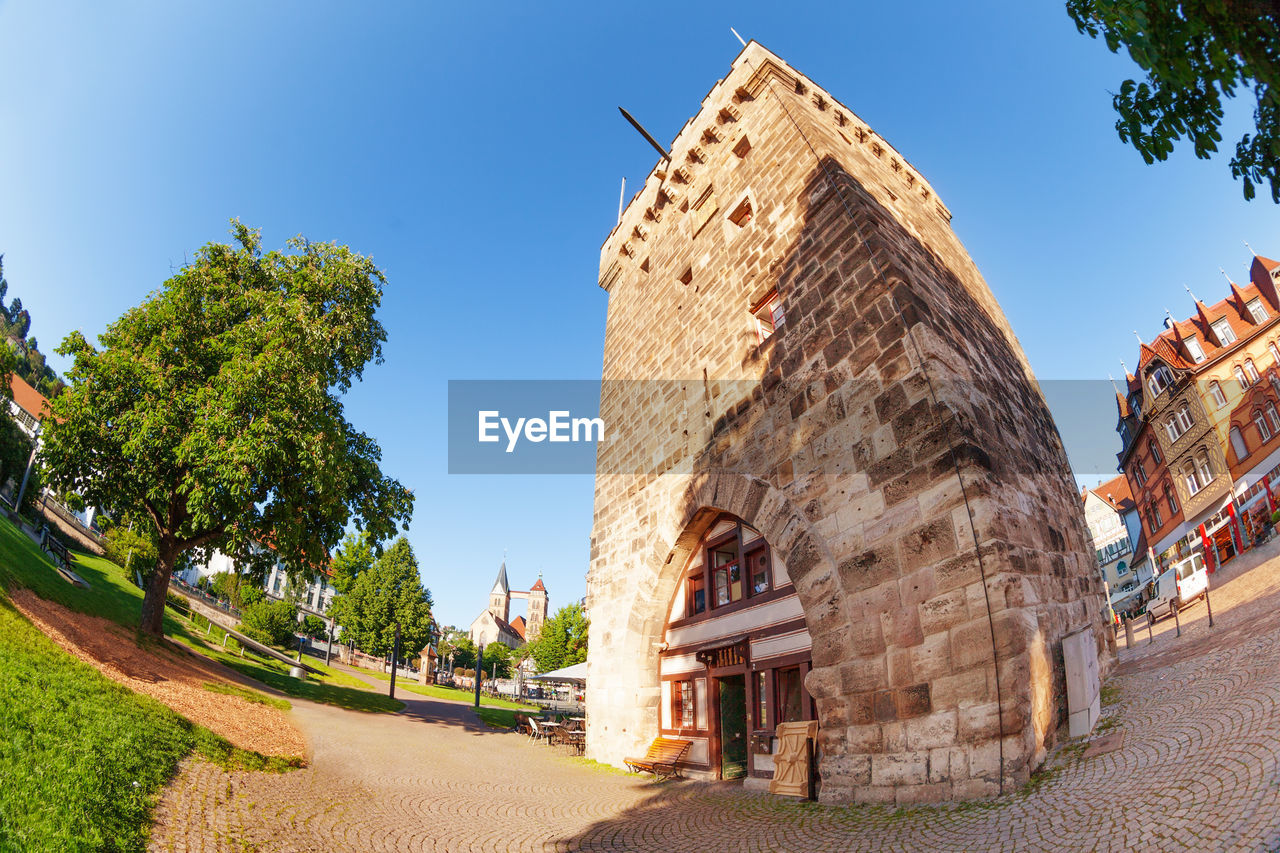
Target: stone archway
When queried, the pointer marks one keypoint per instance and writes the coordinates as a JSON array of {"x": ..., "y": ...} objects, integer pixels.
[{"x": 652, "y": 584}]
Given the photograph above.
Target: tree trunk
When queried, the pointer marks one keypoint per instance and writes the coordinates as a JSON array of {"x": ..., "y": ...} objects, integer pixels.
[{"x": 152, "y": 621}]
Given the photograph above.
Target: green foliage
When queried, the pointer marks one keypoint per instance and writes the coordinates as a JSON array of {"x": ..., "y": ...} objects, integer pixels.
[
  {"x": 23, "y": 355},
  {"x": 131, "y": 550},
  {"x": 499, "y": 661},
  {"x": 271, "y": 622},
  {"x": 215, "y": 407},
  {"x": 15, "y": 446},
  {"x": 563, "y": 640},
  {"x": 235, "y": 588},
  {"x": 1195, "y": 54},
  {"x": 314, "y": 627},
  {"x": 73, "y": 502},
  {"x": 389, "y": 592},
  {"x": 354, "y": 557},
  {"x": 464, "y": 652}
]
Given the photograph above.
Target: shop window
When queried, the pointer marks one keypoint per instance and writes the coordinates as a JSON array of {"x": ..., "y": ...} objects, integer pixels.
[
  {"x": 790, "y": 695},
  {"x": 762, "y": 700},
  {"x": 682, "y": 705}
]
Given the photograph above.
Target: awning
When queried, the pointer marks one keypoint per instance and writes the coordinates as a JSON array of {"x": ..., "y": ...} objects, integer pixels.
[{"x": 576, "y": 674}]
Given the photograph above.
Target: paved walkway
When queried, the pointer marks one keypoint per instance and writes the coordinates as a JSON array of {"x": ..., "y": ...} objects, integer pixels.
[{"x": 1199, "y": 769}]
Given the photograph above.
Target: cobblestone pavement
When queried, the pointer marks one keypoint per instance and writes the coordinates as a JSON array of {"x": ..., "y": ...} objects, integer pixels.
[{"x": 1198, "y": 770}]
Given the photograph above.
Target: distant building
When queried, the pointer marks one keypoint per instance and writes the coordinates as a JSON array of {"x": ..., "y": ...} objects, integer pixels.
[
  {"x": 316, "y": 596},
  {"x": 1104, "y": 509},
  {"x": 494, "y": 625},
  {"x": 1200, "y": 422}
]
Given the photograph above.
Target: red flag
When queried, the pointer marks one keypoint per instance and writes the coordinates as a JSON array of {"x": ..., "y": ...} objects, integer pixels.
[
  {"x": 1208, "y": 550},
  {"x": 1235, "y": 527}
]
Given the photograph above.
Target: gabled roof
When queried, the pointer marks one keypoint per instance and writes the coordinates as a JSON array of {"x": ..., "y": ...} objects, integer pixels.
[
  {"x": 29, "y": 399},
  {"x": 538, "y": 587},
  {"x": 1233, "y": 308},
  {"x": 1116, "y": 494},
  {"x": 518, "y": 625}
]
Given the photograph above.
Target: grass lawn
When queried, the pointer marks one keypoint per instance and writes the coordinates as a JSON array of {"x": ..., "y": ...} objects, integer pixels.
[{"x": 83, "y": 758}]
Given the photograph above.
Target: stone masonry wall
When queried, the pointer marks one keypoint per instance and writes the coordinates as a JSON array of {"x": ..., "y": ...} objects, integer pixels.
[{"x": 843, "y": 438}]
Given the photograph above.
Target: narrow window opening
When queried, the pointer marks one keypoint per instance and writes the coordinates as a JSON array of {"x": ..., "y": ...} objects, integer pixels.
[
  {"x": 769, "y": 315},
  {"x": 741, "y": 214},
  {"x": 644, "y": 265},
  {"x": 686, "y": 277},
  {"x": 743, "y": 146}
]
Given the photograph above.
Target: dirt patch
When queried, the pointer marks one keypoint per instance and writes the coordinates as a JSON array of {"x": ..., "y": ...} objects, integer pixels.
[{"x": 174, "y": 678}]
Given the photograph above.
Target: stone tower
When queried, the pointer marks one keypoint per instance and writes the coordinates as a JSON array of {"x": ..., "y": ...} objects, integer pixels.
[
  {"x": 537, "y": 610},
  {"x": 798, "y": 340},
  {"x": 500, "y": 596}
]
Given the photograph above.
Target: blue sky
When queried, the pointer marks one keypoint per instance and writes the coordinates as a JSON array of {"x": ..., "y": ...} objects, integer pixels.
[{"x": 475, "y": 152}]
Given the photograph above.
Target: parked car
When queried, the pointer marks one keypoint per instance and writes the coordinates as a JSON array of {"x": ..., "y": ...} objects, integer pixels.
[{"x": 1178, "y": 586}]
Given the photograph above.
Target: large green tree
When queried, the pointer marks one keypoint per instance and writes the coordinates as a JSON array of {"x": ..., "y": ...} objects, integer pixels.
[
  {"x": 390, "y": 592},
  {"x": 1195, "y": 54},
  {"x": 215, "y": 408},
  {"x": 562, "y": 641},
  {"x": 353, "y": 558}
]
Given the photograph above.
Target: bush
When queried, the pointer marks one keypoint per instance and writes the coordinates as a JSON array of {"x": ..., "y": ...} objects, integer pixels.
[
  {"x": 469, "y": 673},
  {"x": 175, "y": 601},
  {"x": 73, "y": 502},
  {"x": 131, "y": 550},
  {"x": 313, "y": 626},
  {"x": 270, "y": 622}
]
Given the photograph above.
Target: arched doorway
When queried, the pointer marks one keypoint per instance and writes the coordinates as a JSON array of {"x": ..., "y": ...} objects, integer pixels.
[{"x": 735, "y": 653}]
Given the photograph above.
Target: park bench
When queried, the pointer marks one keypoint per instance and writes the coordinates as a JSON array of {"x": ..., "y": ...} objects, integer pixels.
[
  {"x": 661, "y": 758},
  {"x": 57, "y": 550}
]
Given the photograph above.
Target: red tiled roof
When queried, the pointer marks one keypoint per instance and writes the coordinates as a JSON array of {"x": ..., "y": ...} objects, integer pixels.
[
  {"x": 518, "y": 625},
  {"x": 538, "y": 587},
  {"x": 31, "y": 400},
  {"x": 1167, "y": 345},
  {"x": 1116, "y": 493}
]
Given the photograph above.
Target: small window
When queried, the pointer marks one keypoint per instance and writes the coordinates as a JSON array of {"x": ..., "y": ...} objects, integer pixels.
[
  {"x": 1274, "y": 417},
  {"x": 1155, "y": 453},
  {"x": 1250, "y": 370},
  {"x": 726, "y": 573},
  {"x": 741, "y": 214},
  {"x": 1155, "y": 513},
  {"x": 644, "y": 265},
  {"x": 697, "y": 594},
  {"x": 1237, "y": 443},
  {"x": 1264, "y": 429},
  {"x": 769, "y": 316},
  {"x": 686, "y": 277},
  {"x": 1205, "y": 469},
  {"x": 743, "y": 146},
  {"x": 1256, "y": 311},
  {"x": 1223, "y": 332},
  {"x": 1172, "y": 499},
  {"x": 1160, "y": 379},
  {"x": 1191, "y": 478},
  {"x": 1275, "y": 353},
  {"x": 1121, "y": 568},
  {"x": 1241, "y": 378},
  {"x": 758, "y": 570},
  {"x": 1215, "y": 391},
  {"x": 762, "y": 700},
  {"x": 1194, "y": 349},
  {"x": 1140, "y": 474}
]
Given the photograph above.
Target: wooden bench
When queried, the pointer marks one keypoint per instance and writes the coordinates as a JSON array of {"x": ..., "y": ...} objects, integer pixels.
[
  {"x": 661, "y": 758},
  {"x": 57, "y": 551}
]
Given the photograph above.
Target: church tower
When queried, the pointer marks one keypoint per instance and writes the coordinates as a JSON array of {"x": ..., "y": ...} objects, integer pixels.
[
  {"x": 537, "y": 609},
  {"x": 500, "y": 596}
]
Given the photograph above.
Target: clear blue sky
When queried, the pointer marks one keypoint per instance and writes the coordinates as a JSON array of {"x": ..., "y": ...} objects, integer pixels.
[{"x": 475, "y": 152}]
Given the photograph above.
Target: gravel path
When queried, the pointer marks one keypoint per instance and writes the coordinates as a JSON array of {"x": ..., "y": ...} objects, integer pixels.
[{"x": 1198, "y": 769}]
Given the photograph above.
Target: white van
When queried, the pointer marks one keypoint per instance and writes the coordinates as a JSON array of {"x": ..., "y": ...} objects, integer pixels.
[{"x": 1177, "y": 586}]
